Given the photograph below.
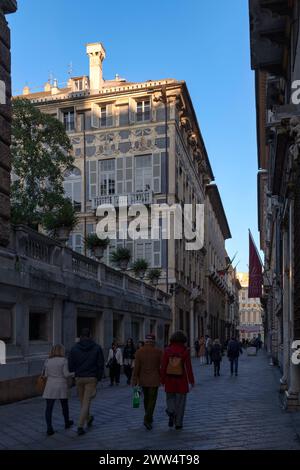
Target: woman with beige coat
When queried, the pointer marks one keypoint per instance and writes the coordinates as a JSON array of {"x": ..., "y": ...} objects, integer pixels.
[{"x": 57, "y": 372}]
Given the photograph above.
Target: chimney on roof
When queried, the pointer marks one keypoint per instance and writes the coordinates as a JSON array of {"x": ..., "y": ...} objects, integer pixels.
[
  {"x": 26, "y": 90},
  {"x": 96, "y": 53},
  {"x": 47, "y": 87},
  {"x": 54, "y": 88}
]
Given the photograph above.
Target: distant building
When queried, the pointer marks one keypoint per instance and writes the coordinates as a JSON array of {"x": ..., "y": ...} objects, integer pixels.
[{"x": 250, "y": 311}]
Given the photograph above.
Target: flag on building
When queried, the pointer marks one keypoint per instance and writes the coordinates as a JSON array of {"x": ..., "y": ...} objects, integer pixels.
[{"x": 255, "y": 271}]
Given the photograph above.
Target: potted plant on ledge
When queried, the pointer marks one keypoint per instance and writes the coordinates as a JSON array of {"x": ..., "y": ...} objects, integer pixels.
[
  {"x": 154, "y": 275},
  {"x": 140, "y": 267},
  {"x": 121, "y": 256},
  {"x": 96, "y": 245},
  {"x": 61, "y": 221}
]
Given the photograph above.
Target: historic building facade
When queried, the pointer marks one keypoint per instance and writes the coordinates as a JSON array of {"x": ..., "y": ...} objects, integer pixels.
[
  {"x": 6, "y": 7},
  {"x": 275, "y": 57},
  {"x": 48, "y": 292},
  {"x": 139, "y": 141},
  {"x": 250, "y": 312}
]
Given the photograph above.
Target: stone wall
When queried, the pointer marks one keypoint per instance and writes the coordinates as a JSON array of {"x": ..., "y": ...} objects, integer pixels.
[{"x": 6, "y": 6}]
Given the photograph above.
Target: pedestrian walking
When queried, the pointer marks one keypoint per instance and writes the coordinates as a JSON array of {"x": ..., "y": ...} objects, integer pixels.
[
  {"x": 146, "y": 374},
  {"x": 128, "y": 359},
  {"x": 114, "y": 363},
  {"x": 216, "y": 356},
  {"x": 202, "y": 350},
  {"x": 197, "y": 347},
  {"x": 234, "y": 350},
  {"x": 57, "y": 372},
  {"x": 176, "y": 375},
  {"x": 208, "y": 346},
  {"x": 87, "y": 362}
]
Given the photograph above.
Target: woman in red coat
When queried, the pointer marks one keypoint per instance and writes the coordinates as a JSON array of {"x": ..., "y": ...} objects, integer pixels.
[{"x": 176, "y": 375}]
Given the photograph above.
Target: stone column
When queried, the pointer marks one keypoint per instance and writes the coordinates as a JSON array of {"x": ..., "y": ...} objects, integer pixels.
[
  {"x": 285, "y": 310},
  {"x": 292, "y": 395},
  {"x": 6, "y": 6},
  {"x": 192, "y": 327}
]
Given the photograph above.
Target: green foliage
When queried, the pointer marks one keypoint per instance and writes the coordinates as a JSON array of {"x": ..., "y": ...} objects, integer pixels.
[
  {"x": 121, "y": 254},
  {"x": 140, "y": 265},
  {"x": 62, "y": 216},
  {"x": 40, "y": 155},
  {"x": 154, "y": 274},
  {"x": 92, "y": 241}
]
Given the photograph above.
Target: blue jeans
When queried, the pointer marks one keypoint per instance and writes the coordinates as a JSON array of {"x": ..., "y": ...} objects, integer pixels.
[{"x": 234, "y": 361}]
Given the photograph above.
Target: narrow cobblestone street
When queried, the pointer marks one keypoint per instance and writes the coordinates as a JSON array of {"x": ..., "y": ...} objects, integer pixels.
[{"x": 226, "y": 412}]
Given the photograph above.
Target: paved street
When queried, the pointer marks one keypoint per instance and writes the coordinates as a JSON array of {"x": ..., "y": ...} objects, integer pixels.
[{"x": 241, "y": 412}]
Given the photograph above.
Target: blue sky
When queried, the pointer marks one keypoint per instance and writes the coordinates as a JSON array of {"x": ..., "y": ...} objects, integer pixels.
[{"x": 202, "y": 42}]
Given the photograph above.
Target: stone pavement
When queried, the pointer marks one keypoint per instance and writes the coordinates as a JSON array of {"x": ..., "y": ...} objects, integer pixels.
[{"x": 225, "y": 412}]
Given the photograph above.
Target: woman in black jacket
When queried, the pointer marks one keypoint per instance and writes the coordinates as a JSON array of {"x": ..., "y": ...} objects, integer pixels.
[
  {"x": 128, "y": 359},
  {"x": 216, "y": 356}
]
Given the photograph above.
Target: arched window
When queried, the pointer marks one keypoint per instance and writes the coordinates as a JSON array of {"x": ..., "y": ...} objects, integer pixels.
[{"x": 72, "y": 186}]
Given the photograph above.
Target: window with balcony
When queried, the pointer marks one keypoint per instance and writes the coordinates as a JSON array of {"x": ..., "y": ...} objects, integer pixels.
[
  {"x": 143, "y": 173},
  {"x": 69, "y": 119},
  {"x": 143, "y": 111},
  {"x": 107, "y": 177},
  {"x": 72, "y": 187}
]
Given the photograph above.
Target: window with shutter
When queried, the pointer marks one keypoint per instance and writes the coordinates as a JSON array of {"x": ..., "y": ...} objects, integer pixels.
[
  {"x": 120, "y": 175},
  {"x": 107, "y": 177},
  {"x": 124, "y": 115},
  {"x": 92, "y": 179},
  {"x": 157, "y": 173},
  {"x": 128, "y": 174},
  {"x": 95, "y": 115},
  {"x": 132, "y": 110}
]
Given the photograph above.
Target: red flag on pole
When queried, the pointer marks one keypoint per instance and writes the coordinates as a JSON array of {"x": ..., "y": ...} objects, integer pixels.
[{"x": 255, "y": 271}]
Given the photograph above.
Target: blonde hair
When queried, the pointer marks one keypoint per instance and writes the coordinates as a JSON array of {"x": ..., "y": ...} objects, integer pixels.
[{"x": 58, "y": 350}]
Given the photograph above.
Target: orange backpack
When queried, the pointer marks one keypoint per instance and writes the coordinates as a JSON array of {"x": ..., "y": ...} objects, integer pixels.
[{"x": 175, "y": 366}]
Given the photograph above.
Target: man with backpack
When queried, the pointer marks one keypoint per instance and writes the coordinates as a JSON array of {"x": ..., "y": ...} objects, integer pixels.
[
  {"x": 234, "y": 350},
  {"x": 176, "y": 376},
  {"x": 146, "y": 374}
]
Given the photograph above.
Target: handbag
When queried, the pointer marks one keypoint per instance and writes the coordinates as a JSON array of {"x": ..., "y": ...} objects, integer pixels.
[
  {"x": 136, "y": 397},
  {"x": 41, "y": 384}
]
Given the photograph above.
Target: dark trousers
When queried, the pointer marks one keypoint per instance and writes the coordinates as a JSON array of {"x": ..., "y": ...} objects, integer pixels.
[
  {"x": 49, "y": 411},
  {"x": 234, "y": 361},
  {"x": 128, "y": 373},
  {"x": 217, "y": 367},
  {"x": 150, "y": 397},
  {"x": 114, "y": 373},
  {"x": 208, "y": 357}
]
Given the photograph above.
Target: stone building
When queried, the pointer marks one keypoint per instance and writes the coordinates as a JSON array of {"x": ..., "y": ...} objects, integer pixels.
[
  {"x": 140, "y": 141},
  {"x": 48, "y": 292},
  {"x": 275, "y": 57},
  {"x": 218, "y": 318},
  {"x": 251, "y": 312},
  {"x": 6, "y": 7}
]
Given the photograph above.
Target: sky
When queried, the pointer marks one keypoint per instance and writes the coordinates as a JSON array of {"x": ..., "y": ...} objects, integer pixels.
[{"x": 202, "y": 42}]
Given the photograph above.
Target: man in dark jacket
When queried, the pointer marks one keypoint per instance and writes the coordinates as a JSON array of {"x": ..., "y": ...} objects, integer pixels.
[
  {"x": 87, "y": 361},
  {"x": 234, "y": 349}
]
